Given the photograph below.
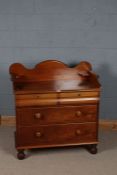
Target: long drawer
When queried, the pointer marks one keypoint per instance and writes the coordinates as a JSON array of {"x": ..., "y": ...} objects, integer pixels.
[
  {"x": 56, "y": 115},
  {"x": 57, "y": 134}
]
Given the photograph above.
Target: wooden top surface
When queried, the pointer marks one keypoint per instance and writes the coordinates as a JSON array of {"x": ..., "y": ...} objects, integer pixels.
[{"x": 53, "y": 75}]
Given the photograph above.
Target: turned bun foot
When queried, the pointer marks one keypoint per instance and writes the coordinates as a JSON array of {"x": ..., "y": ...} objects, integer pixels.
[
  {"x": 21, "y": 155},
  {"x": 92, "y": 149}
]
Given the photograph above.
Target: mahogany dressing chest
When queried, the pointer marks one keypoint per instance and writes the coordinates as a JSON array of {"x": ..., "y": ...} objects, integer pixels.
[{"x": 55, "y": 106}]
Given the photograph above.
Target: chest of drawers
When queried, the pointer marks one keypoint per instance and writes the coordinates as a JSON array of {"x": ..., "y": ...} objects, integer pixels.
[{"x": 55, "y": 106}]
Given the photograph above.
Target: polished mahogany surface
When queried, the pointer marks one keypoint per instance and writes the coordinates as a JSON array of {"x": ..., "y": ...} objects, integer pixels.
[
  {"x": 52, "y": 75},
  {"x": 55, "y": 105}
]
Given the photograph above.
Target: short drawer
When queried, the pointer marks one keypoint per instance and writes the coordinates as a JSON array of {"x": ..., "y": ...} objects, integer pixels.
[
  {"x": 36, "y": 96},
  {"x": 68, "y": 114},
  {"x": 79, "y": 94},
  {"x": 57, "y": 134},
  {"x": 46, "y": 99}
]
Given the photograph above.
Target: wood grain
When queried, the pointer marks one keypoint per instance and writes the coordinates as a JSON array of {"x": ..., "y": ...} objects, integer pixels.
[
  {"x": 56, "y": 115},
  {"x": 57, "y": 134},
  {"x": 55, "y": 105}
]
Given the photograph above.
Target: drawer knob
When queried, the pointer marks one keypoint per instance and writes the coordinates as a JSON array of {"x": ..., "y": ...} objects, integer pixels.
[
  {"x": 78, "y": 94},
  {"x": 37, "y": 96},
  {"x": 78, "y": 132},
  {"x": 38, "y": 134},
  {"x": 78, "y": 113},
  {"x": 37, "y": 115}
]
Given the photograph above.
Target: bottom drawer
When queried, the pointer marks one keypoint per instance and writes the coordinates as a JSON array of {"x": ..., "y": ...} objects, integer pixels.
[{"x": 56, "y": 135}]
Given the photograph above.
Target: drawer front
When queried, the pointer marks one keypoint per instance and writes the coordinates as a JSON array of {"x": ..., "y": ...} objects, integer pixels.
[
  {"x": 57, "y": 134},
  {"x": 46, "y": 99},
  {"x": 79, "y": 94},
  {"x": 71, "y": 114},
  {"x": 36, "y": 96}
]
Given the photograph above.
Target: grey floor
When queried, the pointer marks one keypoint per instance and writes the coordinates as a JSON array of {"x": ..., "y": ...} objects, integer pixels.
[{"x": 60, "y": 161}]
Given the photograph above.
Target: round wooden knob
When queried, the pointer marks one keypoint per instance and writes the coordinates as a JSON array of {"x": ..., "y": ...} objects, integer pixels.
[
  {"x": 38, "y": 134},
  {"x": 37, "y": 115},
  {"x": 78, "y": 94},
  {"x": 78, "y": 113},
  {"x": 37, "y": 96},
  {"x": 78, "y": 132}
]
